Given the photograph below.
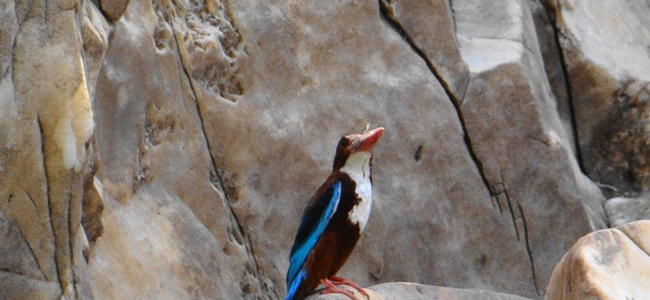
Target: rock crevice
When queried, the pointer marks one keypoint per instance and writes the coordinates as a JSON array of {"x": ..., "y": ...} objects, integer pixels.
[{"x": 387, "y": 16}]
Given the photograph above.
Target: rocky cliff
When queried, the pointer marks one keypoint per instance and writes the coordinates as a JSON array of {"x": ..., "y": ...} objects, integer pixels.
[{"x": 165, "y": 149}]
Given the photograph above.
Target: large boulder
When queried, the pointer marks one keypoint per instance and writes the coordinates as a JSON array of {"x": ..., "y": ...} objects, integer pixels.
[{"x": 606, "y": 264}]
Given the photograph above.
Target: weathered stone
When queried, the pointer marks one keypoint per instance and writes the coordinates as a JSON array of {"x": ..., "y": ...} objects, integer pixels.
[
  {"x": 93, "y": 207},
  {"x": 621, "y": 210},
  {"x": 18, "y": 287},
  {"x": 605, "y": 46},
  {"x": 46, "y": 122},
  {"x": 8, "y": 30},
  {"x": 168, "y": 232},
  {"x": 202, "y": 127},
  {"x": 94, "y": 34},
  {"x": 515, "y": 131},
  {"x": 406, "y": 291},
  {"x": 606, "y": 264},
  {"x": 113, "y": 9}
]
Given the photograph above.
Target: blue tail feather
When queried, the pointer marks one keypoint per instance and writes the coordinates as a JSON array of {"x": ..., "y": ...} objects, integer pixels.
[{"x": 302, "y": 275}]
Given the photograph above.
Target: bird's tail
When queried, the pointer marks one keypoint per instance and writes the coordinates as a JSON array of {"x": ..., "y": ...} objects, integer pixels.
[{"x": 300, "y": 278}]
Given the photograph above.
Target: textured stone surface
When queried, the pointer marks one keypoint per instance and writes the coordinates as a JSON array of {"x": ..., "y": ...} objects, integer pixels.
[
  {"x": 166, "y": 149},
  {"x": 407, "y": 291},
  {"x": 447, "y": 201},
  {"x": 606, "y": 264},
  {"x": 621, "y": 210},
  {"x": 164, "y": 219},
  {"x": 507, "y": 85},
  {"x": 46, "y": 121},
  {"x": 605, "y": 47},
  {"x": 113, "y": 9},
  {"x": 93, "y": 209}
]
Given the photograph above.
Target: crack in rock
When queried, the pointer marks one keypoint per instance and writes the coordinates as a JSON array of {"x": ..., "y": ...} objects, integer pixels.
[
  {"x": 240, "y": 235},
  {"x": 567, "y": 82},
  {"x": 387, "y": 15},
  {"x": 47, "y": 196},
  {"x": 528, "y": 248},
  {"x": 510, "y": 207},
  {"x": 31, "y": 250}
]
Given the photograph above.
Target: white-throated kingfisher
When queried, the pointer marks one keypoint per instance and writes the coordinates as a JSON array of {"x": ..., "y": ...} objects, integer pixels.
[{"x": 334, "y": 219}]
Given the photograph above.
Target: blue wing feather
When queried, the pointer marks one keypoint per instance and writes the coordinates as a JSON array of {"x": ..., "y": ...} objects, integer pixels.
[{"x": 303, "y": 247}]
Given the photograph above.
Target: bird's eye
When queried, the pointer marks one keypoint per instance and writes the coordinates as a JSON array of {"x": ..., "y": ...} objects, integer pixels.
[{"x": 343, "y": 142}]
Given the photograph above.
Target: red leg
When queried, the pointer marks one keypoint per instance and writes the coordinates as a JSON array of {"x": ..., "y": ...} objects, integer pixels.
[
  {"x": 333, "y": 289},
  {"x": 340, "y": 280}
]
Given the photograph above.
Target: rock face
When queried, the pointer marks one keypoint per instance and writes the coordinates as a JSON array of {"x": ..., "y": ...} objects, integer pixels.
[
  {"x": 407, "y": 291},
  {"x": 606, "y": 264},
  {"x": 165, "y": 149},
  {"x": 605, "y": 49},
  {"x": 47, "y": 121}
]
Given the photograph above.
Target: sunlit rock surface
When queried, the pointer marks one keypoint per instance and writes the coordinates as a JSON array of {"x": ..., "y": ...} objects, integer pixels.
[
  {"x": 606, "y": 264},
  {"x": 166, "y": 149}
]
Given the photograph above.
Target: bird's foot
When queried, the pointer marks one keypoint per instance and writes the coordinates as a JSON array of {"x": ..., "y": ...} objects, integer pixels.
[
  {"x": 333, "y": 289},
  {"x": 340, "y": 280}
]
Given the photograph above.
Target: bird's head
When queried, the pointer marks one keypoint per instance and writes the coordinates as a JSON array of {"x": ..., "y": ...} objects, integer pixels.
[{"x": 354, "y": 143}]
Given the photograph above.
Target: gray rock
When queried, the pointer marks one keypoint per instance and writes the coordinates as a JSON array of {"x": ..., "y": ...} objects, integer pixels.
[
  {"x": 515, "y": 131},
  {"x": 621, "y": 210},
  {"x": 554, "y": 65}
]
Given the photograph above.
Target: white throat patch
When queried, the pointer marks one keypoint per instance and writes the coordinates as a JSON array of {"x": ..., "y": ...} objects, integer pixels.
[{"x": 358, "y": 168}]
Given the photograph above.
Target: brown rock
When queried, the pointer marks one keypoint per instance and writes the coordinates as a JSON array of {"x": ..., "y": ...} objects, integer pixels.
[
  {"x": 93, "y": 207},
  {"x": 605, "y": 47},
  {"x": 113, "y": 9},
  {"x": 406, "y": 291},
  {"x": 606, "y": 264},
  {"x": 45, "y": 124}
]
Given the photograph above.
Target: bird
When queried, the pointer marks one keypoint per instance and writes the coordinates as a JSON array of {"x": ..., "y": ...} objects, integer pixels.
[{"x": 333, "y": 220}]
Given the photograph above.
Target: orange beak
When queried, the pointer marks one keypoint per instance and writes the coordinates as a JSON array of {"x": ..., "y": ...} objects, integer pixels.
[{"x": 369, "y": 138}]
